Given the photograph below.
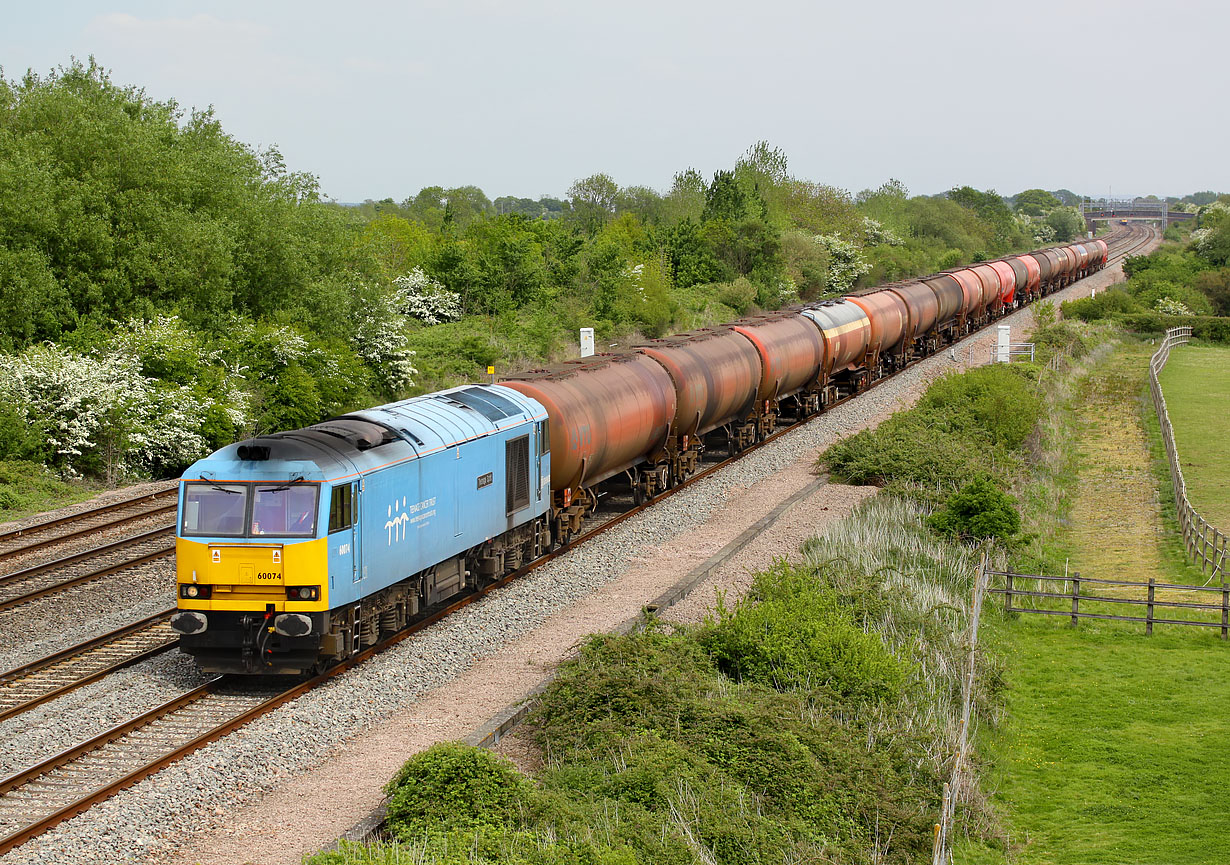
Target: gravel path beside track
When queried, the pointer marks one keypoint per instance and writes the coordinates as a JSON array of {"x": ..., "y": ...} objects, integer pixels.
[{"x": 292, "y": 781}]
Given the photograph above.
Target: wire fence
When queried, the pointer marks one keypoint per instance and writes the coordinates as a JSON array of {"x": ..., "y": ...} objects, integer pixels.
[
  {"x": 1206, "y": 544},
  {"x": 961, "y": 781}
]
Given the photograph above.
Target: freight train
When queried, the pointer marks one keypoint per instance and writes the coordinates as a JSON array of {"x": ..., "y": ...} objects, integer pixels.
[{"x": 298, "y": 549}]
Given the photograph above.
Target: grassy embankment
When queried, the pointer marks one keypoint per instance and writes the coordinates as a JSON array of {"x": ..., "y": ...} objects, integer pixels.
[
  {"x": 1114, "y": 749},
  {"x": 27, "y": 488},
  {"x": 1196, "y": 382}
]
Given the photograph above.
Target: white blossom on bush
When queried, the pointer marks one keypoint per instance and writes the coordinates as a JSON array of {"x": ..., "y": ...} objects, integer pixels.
[
  {"x": 426, "y": 299},
  {"x": 1202, "y": 239},
  {"x": 102, "y": 409},
  {"x": 1042, "y": 233},
  {"x": 168, "y": 335},
  {"x": 380, "y": 339},
  {"x": 1170, "y": 306},
  {"x": 846, "y": 262},
  {"x": 876, "y": 234}
]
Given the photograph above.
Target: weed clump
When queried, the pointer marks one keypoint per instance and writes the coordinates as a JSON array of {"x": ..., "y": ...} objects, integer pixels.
[
  {"x": 980, "y": 510},
  {"x": 454, "y": 786},
  {"x": 965, "y": 425}
]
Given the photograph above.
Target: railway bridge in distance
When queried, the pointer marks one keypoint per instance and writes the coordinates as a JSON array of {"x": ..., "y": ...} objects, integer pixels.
[{"x": 1136, "y": 210}]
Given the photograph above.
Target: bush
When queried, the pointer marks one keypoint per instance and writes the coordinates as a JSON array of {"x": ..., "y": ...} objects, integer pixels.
[
  {"x": 1102, "y": 306},
  {"x": 980, "y": 510},
  {"x": 454, "y": 786},
  {"x": 992, "y": 402},
  {"x": 792, "y": 634}
]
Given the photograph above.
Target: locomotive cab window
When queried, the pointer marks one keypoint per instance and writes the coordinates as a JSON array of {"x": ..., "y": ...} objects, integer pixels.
[
  {"x": 341, "y": 508},
  {"x": 214, "y": 510},
  {"x": 289, "y": 511},
  {"x": 544, "y": 438},
  {"x": 517, "y": 473}
]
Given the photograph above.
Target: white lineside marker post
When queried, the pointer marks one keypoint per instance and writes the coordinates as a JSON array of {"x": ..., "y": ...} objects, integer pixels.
[
  {"x": 587, "y": 341},
  {"x": 1001, "y": 348}
]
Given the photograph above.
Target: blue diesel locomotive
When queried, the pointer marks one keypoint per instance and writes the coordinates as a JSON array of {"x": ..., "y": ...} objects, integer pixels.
[{"x": 298, "y": 549}]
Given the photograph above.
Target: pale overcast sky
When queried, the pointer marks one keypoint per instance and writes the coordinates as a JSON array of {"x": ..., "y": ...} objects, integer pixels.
[{"x": 521, "y": 98}]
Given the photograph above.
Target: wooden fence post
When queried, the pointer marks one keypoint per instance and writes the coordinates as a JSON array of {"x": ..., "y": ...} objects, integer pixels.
[
  {"x": 1149, "y": 614},
  {"x": 1008, "y": 596},
  {"x": 1076, "y": 595},
  {"x": 1225, "y": 609}
]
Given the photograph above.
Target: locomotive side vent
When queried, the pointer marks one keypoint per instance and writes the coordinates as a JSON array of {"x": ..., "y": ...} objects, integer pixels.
[{"x": 517, "y": 473}]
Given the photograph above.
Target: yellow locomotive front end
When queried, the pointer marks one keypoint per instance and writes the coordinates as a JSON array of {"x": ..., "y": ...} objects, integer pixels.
[{"x": 252, "y": 578}]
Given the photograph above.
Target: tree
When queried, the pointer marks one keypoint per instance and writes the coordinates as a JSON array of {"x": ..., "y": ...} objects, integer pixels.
[
  {"x": 686, "y": 199},
  {"x": 1035, "y": 202},
  {"x": 1066, "y": 222},
  {"x": 593, "y": 200},
  {"x": 725, "y": 199}
]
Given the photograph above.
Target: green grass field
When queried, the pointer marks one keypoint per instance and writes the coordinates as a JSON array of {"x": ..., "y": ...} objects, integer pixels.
[
  {"x": 1114, "y": 749},
  {"x": 1196, "y": 382}
]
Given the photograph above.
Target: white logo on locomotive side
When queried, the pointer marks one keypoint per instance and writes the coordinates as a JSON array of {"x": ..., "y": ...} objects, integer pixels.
[
  {"x": 419, "y": 512},
  {"x": 396, "y": 525}
]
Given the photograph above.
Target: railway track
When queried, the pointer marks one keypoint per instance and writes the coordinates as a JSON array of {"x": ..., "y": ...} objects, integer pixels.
[
  {"x": 38, "y": 682},
  {"x": 38, "y": 798},
  {"x": 49, "y": 578},
  {"x": 27, "y": 539}
]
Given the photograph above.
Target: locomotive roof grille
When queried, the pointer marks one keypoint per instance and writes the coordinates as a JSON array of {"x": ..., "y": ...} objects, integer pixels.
[{"x": 491, "y": 406}]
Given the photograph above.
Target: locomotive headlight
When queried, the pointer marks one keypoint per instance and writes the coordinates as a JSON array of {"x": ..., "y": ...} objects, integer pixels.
[
  {"x": 191, "y": 591},
  {"x": 303, "y": 593}
]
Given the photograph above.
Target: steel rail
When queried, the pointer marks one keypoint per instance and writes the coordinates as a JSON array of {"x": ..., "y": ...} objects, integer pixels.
[
  {"x": 47, "y": 542},
  {"x": 85, "y": 515},
  {"x": 130, "y": 541},
  {"x": 35, "y": 595},
  {"x": 19, "y": 677}
]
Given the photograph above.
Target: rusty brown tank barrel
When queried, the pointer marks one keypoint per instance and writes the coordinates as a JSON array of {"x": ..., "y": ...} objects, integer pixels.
[
  {"x": 846, "y": 330},
  {"x": 716, "y": 373},
  {"x": 923, "y": 306},
  {"x": 971, "y": 291},
  {"x": 1007, "y": 281},
  {"x": 791, "y": 352},
  {"x": 607, "y": 413},
  {"x": 889, "y": 318},
  {"x": 950, "y": 294}
]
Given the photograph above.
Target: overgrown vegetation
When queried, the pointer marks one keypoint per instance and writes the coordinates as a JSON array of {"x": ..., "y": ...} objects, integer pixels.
[
  {"x": 966, "y": 426},
  {"x": 827, "y": 740}
]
